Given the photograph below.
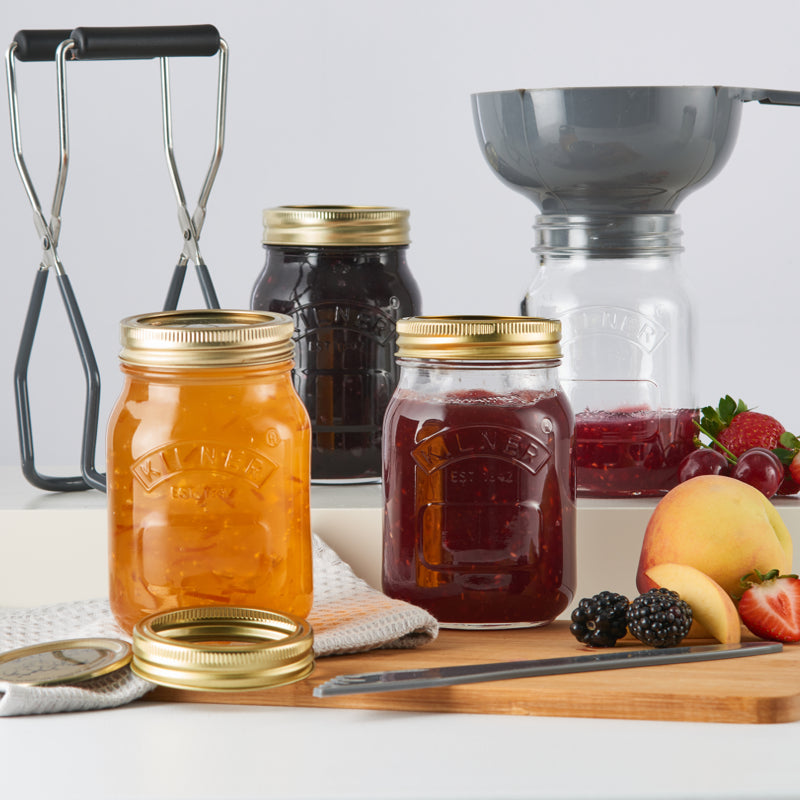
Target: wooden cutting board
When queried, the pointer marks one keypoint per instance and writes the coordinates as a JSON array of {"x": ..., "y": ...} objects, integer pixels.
[{"x": 755, "y": 689}]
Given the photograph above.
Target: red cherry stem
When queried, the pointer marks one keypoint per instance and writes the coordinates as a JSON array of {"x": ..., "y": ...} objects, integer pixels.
[{"x": 727, "y": 453}]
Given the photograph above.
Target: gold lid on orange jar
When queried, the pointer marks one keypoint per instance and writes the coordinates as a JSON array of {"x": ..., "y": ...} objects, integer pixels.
[
  {"x": 481, "y": 338},
  {"x": 348, "y": 226},
  {"x": 206, "y": 338}
]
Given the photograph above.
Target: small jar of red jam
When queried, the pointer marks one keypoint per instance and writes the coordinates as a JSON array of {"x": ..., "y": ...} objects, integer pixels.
[
  {"x": 208, "y": 467},
  {"x": 479, "y": 473},
  {"x": 341, "y": 273}
]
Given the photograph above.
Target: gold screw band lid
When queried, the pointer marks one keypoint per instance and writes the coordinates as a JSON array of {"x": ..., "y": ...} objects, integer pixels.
[
  {"x": 482, "y": 338},
  {"x": 63, "y": 662},
  {"x": 222, "y": 648},
  {"x": 206, "y": 338},
  {"x": 350, "y": 226}
]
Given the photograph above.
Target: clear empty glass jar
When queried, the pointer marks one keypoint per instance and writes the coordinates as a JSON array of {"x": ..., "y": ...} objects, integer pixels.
[{"x": 615, "y": 283}]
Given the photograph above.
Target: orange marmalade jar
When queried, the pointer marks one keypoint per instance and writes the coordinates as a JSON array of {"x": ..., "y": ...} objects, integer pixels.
[{"x": 208, "y": 467}]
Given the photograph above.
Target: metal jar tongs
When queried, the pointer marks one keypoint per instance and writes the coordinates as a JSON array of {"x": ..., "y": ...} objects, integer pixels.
[{"x": 92, "y": 44}]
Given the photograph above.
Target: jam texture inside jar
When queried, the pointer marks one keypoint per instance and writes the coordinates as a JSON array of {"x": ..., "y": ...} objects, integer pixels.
[
  {"x": 341, "y": 273},
  {"x": 479, "y": 482},
  {"x": 208, "y": 456},
  {"x": 632, "y": 453}
]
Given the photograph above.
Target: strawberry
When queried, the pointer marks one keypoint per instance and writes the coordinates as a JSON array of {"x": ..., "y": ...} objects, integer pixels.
[
  {"x": 736, "y": 428},
  {"x": 751, "y": 429},
  {"x": 733, "y": 428},
  {"x": 770, "y": 605},
  {"x": 794, "y": 467}
]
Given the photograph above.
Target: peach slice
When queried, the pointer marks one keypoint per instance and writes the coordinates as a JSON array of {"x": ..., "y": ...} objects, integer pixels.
[{"x": 713, "y": 610}]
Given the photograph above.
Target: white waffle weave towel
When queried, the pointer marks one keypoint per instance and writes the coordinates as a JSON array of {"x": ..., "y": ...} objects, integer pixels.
[{"x": 348, "y": 616}]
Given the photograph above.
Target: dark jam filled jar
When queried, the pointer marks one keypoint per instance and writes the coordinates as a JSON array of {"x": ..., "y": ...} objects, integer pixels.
[
  {"x": 341, "y": 273},
  {"x": 479, "y": 473}
]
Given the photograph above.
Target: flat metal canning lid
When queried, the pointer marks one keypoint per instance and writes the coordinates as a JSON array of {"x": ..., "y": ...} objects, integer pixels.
[
  {"x": 206, "y": 338},
  {"x": 222, "y": 649},
  {"x": 63, "y": 662},
  {"x": 482, "y": 338},
  {"x": 349, "y": 226}
]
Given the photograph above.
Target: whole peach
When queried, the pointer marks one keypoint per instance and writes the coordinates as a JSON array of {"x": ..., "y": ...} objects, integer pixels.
[{"x": 719, "y": 525}]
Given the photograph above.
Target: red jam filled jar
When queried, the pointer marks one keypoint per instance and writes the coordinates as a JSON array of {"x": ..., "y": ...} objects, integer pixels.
[
  {"x": 479, "y": 473},
  {"x": 341, "y": 273},
  {"x": 208, "y": 467}
]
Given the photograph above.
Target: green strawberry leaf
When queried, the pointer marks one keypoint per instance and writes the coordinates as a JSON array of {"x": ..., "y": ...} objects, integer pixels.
[
  {"x": 786, "y": 456},
  {"x": 789, "y": 441},
  {"x": 790, "y": 446},
  {"x": 715, "y": 420},
  {"x": 711, "y": 423},
  {"x": 727, "y": 408}
]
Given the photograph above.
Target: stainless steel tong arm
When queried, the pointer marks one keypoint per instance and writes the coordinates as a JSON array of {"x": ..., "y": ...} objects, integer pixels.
[
  {"x": 48, "y": 232},
  {"x": 42, "y": 46},
  {"x": 192, "y": 225}
]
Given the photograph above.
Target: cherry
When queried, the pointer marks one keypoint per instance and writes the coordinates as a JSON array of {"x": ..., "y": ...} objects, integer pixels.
[
  {"x": 702, "y": 462},
  {"x": 789, "y": 485},
  {"x": 760, "y": 468}
]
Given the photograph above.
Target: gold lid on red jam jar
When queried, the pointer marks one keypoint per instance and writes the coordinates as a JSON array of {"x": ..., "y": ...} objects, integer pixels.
[
  {"x": 208, "y": 467},
  {"x": 478, "y": 475},
  {"x": 479, "y": 337}
]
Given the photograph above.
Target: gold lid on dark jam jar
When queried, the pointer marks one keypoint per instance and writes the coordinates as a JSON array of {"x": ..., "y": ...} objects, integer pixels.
[
  {"x": 206, "y": 338},
  {"x": 483, "y": 338},
  {"x": 348, "y": 226}
]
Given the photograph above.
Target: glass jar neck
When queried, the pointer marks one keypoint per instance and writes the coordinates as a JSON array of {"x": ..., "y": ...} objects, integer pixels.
[
  {"x": 608, "y": 236},
  {"x": 497, "y": 377},
  {"x": 477, "y": 364},
  {"x": 216, "y": 374},
  {"x": 334, "y": 249},
  {"x": 388, "y": 259}
]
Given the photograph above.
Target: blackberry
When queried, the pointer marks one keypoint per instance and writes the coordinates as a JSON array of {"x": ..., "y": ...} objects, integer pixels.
[
  {"x": 600, "y": 620},
  {"x": 659, "y": 618}
]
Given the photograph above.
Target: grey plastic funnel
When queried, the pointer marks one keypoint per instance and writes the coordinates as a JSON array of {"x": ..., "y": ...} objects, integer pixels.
[{"x": 634, "y": 149}]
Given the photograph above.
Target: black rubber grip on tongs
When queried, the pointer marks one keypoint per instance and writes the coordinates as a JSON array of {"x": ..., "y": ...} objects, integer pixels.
[
  {"x": 38, "y": 45},
  {"x": 95, "y": 44}
]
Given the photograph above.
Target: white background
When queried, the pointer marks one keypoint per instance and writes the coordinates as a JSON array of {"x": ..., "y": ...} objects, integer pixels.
[{"x": 367, "y": 102}]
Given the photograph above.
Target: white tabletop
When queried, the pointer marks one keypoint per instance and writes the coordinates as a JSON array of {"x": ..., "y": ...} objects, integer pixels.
[
  {"x": 155, "y": 750},
  {"x": 160, "y": 750}
]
